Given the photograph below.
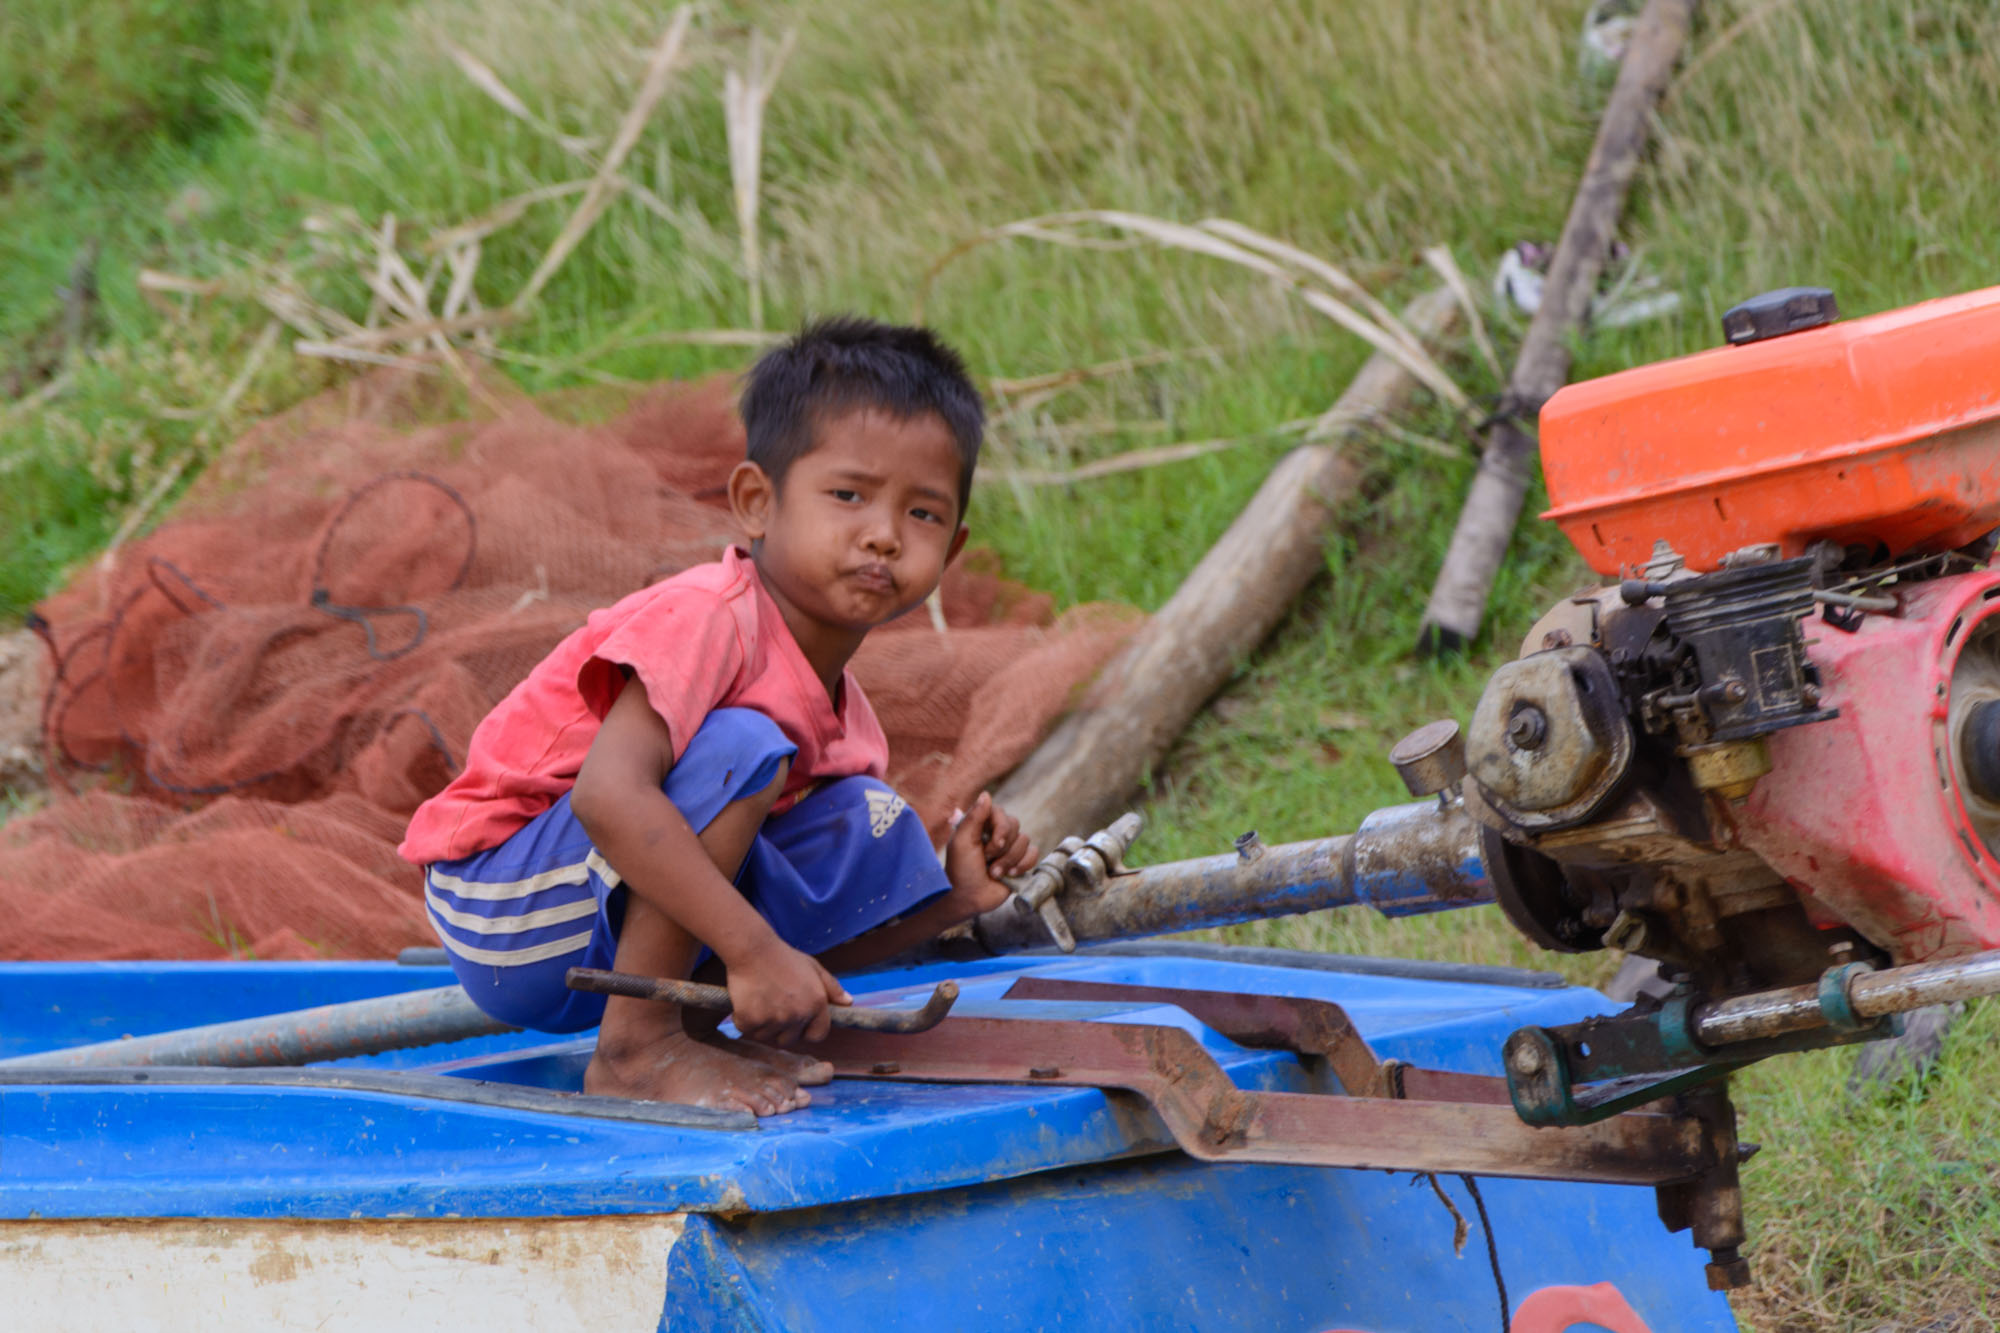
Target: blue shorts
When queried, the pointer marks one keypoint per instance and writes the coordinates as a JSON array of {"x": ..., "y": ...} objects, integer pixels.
[{"x": 848, "y": 857}]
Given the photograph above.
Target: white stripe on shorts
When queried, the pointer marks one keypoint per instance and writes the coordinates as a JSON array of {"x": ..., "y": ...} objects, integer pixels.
[
  {"x": 522, "y": 888},
  {"x": 509, "y": 925},
  {"x": 513, "y": 957}
]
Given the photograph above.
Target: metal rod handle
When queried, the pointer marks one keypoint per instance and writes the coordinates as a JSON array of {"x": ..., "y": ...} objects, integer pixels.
[
  {"x": 695, "y": 995},
  {"x": 1894, "y": 990}
]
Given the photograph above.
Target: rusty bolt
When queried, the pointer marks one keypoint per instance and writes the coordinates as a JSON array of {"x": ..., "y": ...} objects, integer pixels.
[
  {"x": 1528, "y": 728},
  {"x": 886, "y": 1067},
  {"x": 1731, "y": 690},
  {"x": 1045, "y": 1071},
  {"x": 1249, "y": 846},
  {"x": 1728, "y": 1270},
  {"x": 1810, "y": 693},
  {"x": 1527, "y": 1060},
  {"x": 1558, "y": 638}
]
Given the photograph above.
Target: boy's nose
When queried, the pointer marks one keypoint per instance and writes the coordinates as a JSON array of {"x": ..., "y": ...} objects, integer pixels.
[{"x": 882, "y": 539}]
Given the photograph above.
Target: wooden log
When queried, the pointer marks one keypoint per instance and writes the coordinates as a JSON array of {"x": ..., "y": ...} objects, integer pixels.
[
  {"x": 1493, "y": 505},
  {"x": 1084, "y": 773}
]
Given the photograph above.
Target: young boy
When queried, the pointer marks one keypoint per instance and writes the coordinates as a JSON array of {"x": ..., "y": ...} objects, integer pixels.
[{"x": 695, "y": 772}]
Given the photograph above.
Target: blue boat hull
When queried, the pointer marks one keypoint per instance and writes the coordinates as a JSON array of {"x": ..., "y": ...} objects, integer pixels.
[{"x": 885, "y": 1205}]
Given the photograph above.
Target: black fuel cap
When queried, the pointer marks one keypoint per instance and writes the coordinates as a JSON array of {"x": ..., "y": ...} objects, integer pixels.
[{"x": 1774, "y": 314}]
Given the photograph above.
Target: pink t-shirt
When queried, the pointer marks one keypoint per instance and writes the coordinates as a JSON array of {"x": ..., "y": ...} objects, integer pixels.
[{"x": 707, "y": 638}]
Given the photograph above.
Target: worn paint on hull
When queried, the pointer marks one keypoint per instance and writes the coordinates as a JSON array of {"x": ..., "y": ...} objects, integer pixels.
[{"x": 607, "y": 1274}]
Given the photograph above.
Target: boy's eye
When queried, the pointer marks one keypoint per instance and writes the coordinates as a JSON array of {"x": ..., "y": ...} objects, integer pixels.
[
  {"x": 844, "y": 495},
  {"x": 927, "y": 515}
]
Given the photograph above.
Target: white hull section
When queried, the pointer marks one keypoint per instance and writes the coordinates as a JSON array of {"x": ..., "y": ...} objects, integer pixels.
[{"x": 606, "y": 1274}]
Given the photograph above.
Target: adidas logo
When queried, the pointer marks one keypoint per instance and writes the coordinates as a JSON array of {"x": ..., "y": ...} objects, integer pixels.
[{"x": 883, "y": 807}]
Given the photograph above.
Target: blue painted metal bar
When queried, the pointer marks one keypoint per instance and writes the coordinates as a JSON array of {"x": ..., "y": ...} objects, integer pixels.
[{"x": 1403, "y": 860}]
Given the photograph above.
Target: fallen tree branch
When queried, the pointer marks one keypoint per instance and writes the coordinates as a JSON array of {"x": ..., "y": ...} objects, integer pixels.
[{"x": 1493, "y": 505}]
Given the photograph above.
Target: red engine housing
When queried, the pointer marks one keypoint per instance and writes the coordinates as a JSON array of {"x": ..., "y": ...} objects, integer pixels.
[{"x": 1870, "y": 815}]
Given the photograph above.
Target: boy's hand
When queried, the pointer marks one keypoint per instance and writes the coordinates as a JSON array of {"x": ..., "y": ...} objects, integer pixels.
[
  {"x": 986, "y": 847},
  {"x": 779, "y": 995}
]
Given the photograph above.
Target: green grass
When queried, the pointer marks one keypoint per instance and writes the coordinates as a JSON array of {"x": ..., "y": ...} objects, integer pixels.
[{"x": 1839, "y": 141}]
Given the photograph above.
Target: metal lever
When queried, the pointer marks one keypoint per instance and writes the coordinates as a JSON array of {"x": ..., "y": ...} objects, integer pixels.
[{"x": 695, "y": 995}]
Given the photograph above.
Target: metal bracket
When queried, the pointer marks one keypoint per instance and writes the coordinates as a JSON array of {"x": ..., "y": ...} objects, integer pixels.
[
  {"x": 1584, "y": 1072},
  {"x": 1449, "y": 1122},
  {"x": 1441, "y": 1121}
]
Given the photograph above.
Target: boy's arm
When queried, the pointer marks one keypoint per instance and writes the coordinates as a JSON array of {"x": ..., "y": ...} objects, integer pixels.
[
  {"x": 778, "y": 993},
  {"x": 986, "y": 847}
]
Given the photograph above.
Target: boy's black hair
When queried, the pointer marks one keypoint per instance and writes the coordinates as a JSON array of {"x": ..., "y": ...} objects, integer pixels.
[{"x": 845, "y": 362}]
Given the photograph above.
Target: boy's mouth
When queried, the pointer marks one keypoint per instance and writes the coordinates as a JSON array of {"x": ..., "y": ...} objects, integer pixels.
[{"x": 875, "y": 578}]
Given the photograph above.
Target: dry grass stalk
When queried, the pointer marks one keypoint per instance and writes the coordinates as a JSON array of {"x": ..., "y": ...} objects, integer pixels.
[
  {"x": 1138, "y": 460},
  {"x": 1062, "y": 379},
  {"x": 48, "y": 392},
  {"x": 154, "y": 281},
  {"x": 1429, "y": 444},
  {"x": 688, "y": 338},
  {"x": 1334, "y": 278},
  {"x": 384, "y": 241},
  {"x": 500, "y": 216},
  {"x": 1210, "y": 239},
  {"x": 1716, "y": 45},
  {"x": 108, "y": 562},
  {"x": 744, "y": 96},
  {"x": 1441, "y": 262},
  {"x": 267, "y": 338},
  {"x": 361, "y": 356},
  {"x": 607, "y": 182},
  {"x": 463, "y": 260},
  {"x": 563, "y": 367},
  {"x": 423, "y": 330},
  {"x": 578, "y": 146},
  {"x": 490, "y": 83},
  {"x": 214, "y": 413}
]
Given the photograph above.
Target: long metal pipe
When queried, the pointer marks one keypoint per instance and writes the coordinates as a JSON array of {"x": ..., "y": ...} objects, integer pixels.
[
  {"x": 1403, "y": 860},
  {"x": 300, "y": 1037},
  {"x": 1894, "y": 990}
]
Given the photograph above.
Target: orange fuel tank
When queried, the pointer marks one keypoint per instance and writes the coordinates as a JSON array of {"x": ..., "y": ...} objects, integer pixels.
[{"x": 1884, "y": 429}]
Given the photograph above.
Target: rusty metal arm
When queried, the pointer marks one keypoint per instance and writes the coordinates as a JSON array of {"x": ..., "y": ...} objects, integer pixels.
[
  {"x": 1213, "y": 1120},
  {"x": 1313, "y": 1028}
]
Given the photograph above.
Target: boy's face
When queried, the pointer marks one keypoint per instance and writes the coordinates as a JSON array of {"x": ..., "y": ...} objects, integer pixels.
[{"x": 865, "y": 522}]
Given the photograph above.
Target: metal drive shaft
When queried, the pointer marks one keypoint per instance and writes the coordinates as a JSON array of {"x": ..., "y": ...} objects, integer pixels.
[
  {"x": 1403, "y": 860},
  {"x": 1845, "y": 996}
]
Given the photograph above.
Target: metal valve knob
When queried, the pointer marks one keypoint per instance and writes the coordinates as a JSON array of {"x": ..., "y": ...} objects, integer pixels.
[{"x": 1431, "y": 758}]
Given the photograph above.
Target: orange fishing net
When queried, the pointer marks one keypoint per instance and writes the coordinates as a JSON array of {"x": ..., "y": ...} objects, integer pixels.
[{"x": 253, "y": 699}]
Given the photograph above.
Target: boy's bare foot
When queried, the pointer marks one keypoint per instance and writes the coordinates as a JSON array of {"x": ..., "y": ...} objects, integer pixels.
[
  {"x": 674, "y": 1067},
  {"x": 795, "y": 1065}
]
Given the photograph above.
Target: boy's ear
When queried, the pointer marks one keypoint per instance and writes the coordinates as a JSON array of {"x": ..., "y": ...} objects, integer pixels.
[
  {"x": 957, "y": 543},
  {"x": 752, "y": 493}
]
